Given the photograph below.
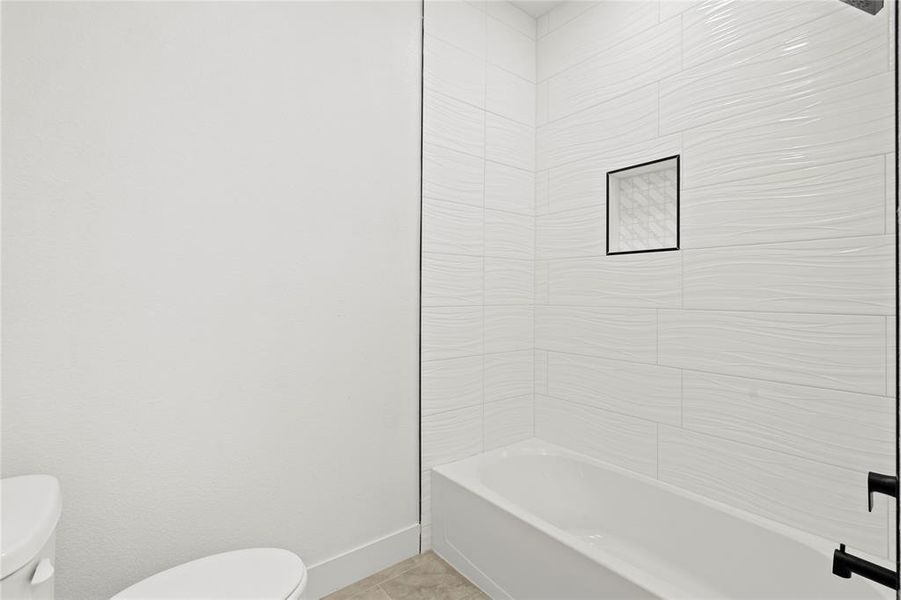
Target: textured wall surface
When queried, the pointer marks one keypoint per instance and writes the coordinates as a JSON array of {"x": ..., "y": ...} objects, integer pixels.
[
  {"x": 478, "y": 231},
  {"x": 754, "y": 366},
  {"x": 210, "y": 231}
]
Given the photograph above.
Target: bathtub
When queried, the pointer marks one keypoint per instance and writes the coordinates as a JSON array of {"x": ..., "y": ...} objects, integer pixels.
[{"x": 534, "y": 520}]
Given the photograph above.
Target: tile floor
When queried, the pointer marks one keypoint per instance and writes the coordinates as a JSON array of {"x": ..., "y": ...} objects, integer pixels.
[{"x": 422, "y": 577}]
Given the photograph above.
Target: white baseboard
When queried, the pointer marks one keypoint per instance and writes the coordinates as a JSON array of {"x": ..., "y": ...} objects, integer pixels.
[{"x": 340, "y": 571}]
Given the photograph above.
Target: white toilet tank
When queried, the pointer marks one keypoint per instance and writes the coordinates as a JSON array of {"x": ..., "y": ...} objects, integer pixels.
[{"x": 30, "y": 506}]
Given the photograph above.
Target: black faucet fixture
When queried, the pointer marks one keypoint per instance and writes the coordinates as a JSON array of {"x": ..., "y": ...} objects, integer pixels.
[{"x": 844, "y": 565}]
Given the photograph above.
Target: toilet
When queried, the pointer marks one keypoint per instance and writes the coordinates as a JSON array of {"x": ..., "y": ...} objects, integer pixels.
[
  {"x": 29, "y": 512},
  {"x": 31, "y": 506},
  {"x": 258, "y": 573}
]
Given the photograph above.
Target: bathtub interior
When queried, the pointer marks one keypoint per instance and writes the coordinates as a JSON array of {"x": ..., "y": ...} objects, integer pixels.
[{"x": 666, "y": 540}]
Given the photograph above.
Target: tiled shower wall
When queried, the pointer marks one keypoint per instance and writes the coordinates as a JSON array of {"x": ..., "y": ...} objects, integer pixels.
[
  {"x": 752, "y": 366},
  {"x": 478, "y": 231}
]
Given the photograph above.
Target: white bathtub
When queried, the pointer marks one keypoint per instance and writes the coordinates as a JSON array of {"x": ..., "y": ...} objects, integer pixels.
[{"x": 534, "y": 520}]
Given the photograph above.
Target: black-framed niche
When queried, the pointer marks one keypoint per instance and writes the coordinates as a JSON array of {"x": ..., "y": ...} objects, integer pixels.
[{"x": 643, "y": 207}]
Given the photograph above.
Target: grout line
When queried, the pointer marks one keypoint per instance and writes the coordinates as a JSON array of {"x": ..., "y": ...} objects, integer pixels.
[
  {"x": 485, "y": 63},
  {"x": 612, "y": 154},
  {"x": 707, "y": 372},
  {"x": 707, "y": 434},
  {"x": 485, "y": 58}
]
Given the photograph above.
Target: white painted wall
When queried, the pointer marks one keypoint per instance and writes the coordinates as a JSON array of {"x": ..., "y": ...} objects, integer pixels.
[
  {"x": 210, "y": 242},
  {"x": 478, "y": 231},
  {"x": 754, "y": 365}
]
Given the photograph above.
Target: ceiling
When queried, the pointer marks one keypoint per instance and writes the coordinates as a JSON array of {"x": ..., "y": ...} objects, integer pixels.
[{"x": 536, "y": 8}]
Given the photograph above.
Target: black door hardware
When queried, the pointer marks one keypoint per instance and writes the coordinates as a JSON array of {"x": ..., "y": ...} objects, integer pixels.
[
  {"x": 884, "y": 484},
  {"x": 844, "y": 564}
]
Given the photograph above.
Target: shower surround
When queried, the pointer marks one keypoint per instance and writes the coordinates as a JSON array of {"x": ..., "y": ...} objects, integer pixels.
[{"x": 754, "y": 365}]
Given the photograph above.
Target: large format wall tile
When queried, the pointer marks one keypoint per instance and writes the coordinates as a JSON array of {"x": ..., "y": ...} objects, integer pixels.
[
  {"x": 478, "y": 231},
  {"x": 891, "y": 170},
  {"x": 848, "y": 275},
  {"x": 821, "y": 126},
  {"x": 451, "y": 383},
  {"x": 508, "y": 328},
  {"x": 509, "y": 142},
  {"x": 451, "y": 332},
  {"x": 451, "y": 228},
  {"x": 508, "y": 188},
  {"x": 584, "y": 182},
  {"x": 451, "y": 435},
  {"x": 513, "y": 17},
  {"x": 565, "y": 12},
  {"x": 541, "y": 288},
  {"x": 508, "y": 281},
  {"x": 621, "y": 334},
  {"x": 890, "y": 366},
  {"x": 674, "y": 8},
  {"x": 508, "y": 421},
  {"x": 452, "y": 176},
  {"x": 459, "y": 23},
  {"x": 823, "y": 53},
  {"x": 844, "y": 352},
  {"x": 806, "y": 203},
  {"x": 451, "y": 279},
  {"x": 601, "y": 129},
  {"x": 714, "y": 29},
  {"x": 508, "y": 375},
  {"x": 631, "y": 280},
  {"x": 855, "y": 431},
  {"x": 636, "y": 62},
  {"x": 781, "y": 112},
  {"x": 509, "y": 235},
  {"x": 820, "y": 498},
  {"x": 510, "y": 95},
  {"x": 602, "y": 26},
  {"x": 511, "y": 50},
  {"x": 646, "y": 391},
  {"x": 541, "y": 382},
  {"x": 571, "y": 233},
  {"x": 453, "y": 124},
  {"x": 452, "y": 72},
  {"x": 618, "y": 439}
]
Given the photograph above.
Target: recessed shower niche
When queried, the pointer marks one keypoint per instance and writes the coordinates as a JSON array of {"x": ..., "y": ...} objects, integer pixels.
[{"x": 643, "y": 207}]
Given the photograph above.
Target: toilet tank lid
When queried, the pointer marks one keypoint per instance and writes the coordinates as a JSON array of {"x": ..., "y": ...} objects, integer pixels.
[
  {"x": 263, "y": 573},
  {"x": 30, "y": 506}
]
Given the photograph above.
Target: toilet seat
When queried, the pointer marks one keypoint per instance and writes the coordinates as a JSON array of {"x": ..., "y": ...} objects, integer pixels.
[{"x": 258, "y": 573}]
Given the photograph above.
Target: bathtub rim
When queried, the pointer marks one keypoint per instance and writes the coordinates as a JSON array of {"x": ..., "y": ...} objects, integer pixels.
[{"x": 466, "y": 474}]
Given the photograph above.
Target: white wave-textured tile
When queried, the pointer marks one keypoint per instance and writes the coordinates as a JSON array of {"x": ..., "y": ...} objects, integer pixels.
[
  {"x": 849, "y": 430},
  {"x": 845, "y": 275},
  {"x": 508, "y": 281},
  {"x": 508, "y": 421},
  {"x": 508, "y": 374},
  {"x": 645, "y": 391},
  {"x": 612, "y": 437},
  {"x": 843, "y": 352},
  {"x": 757, "y": 359},
  {"x": 776, "y": 485},
  {"x": 452, "y": 176},
  {"x": 478, "y": 230},
  {"x": 800, "y": 204},
  {"x": 646, "y": 281},
  {"x": 626, "y": 334}
]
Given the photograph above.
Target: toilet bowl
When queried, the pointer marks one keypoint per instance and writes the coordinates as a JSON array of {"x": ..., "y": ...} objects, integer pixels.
[{"x": 258, "y": 573}]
